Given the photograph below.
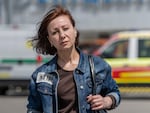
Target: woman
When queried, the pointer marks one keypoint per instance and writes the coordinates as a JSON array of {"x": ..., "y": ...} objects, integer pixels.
[{"x": 63, "y": 85}]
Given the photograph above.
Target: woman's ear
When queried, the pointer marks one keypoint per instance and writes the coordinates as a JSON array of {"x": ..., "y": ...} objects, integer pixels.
[
  {"x": 48, "y": 37},
  {"x": 75, "y": 33}
]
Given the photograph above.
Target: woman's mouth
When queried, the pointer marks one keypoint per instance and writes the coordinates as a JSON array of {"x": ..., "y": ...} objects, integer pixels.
[{"x": 64, "y": 42}]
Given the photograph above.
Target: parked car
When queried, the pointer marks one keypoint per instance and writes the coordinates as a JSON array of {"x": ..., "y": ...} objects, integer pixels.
[{"x": 128, "y": 52}]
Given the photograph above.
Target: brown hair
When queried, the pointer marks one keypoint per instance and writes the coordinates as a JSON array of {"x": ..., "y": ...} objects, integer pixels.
[{"x": 40, "y": 42}]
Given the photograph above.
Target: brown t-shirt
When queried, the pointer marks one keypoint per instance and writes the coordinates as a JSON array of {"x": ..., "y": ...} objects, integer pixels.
[{"x": 67, "y": 95}]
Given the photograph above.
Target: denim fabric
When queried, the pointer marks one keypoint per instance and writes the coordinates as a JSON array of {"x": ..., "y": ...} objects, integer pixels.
[{"x": 43, "y": 94}]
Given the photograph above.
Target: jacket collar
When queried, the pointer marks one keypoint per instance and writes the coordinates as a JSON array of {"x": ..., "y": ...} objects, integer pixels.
[
  {"x": 52, "y": 64},
  {"x": 82, "y": 62}
]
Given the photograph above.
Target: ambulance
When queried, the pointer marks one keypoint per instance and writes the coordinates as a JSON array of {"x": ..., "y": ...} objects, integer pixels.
[
  {"x": 128, "y": 52},
  {"x": 18, "y": 60}
]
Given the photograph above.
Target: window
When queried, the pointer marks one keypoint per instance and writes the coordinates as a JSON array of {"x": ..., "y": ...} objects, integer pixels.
[
  {"x": 144, "y": 48},
  {"x": 118, "y": 49}
]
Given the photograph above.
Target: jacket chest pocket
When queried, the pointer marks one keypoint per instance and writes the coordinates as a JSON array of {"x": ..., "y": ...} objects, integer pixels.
[
  {"x": 45, "y": 88},
  {"x": 99, "y": 82}
]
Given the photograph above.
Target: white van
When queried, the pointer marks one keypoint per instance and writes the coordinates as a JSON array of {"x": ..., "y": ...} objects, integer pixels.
[{"x": 17, "y": 58}]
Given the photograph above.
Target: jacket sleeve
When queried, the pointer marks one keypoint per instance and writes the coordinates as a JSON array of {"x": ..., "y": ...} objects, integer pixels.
[
  {"x": 110, "y": 86},
  {"x": 34, "y": 101}
]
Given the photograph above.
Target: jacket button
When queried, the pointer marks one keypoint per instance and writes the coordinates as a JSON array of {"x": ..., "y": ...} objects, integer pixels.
[
  {"x": 83, "y": 107},
  {"x": 81, "y": 87},
  {"x": 77, "y": 71}
]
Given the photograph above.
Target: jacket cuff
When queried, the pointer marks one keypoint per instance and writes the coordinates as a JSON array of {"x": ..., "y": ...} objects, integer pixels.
[
  {"x": 115, "y": 97},
  {"x": 33, "y": 111}
]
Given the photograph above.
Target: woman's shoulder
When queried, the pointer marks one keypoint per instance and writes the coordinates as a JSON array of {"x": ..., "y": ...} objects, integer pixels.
[
  {"x": 98, "y": 59},
  {"x": 100, "y": 62}
]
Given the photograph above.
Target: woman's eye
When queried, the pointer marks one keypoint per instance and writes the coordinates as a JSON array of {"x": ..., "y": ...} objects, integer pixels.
[
  {"x": 65, "y": 29},
  {"x": 54, "y": 32}
]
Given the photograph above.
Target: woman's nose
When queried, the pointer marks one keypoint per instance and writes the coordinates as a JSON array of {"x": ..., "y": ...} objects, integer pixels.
[{"x": 62, "y": 35}]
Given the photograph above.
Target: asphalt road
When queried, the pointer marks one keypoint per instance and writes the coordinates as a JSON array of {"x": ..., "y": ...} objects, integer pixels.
[{"x": 17, "y": 104}]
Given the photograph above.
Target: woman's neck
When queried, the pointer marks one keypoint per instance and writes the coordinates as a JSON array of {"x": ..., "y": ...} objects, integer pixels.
[{"x": 68, "y": 60}]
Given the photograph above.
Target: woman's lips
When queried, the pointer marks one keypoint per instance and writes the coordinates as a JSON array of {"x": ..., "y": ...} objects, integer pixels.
[{"x": 64, "y": 42}]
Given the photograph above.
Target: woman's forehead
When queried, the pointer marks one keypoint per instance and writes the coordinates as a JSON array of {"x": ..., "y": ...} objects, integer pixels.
[{"x": 59, "y": 21}]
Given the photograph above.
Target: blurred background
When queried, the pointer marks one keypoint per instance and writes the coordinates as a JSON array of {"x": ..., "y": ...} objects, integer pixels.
[{"x": 116, "y": 30}]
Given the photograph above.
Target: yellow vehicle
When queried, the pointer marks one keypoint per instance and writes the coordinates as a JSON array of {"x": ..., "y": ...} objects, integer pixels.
[{"x": 128, "y": 53}]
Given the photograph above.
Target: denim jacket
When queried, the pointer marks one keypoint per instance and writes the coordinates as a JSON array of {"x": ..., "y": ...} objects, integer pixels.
[{"x": 43, "y": 86}]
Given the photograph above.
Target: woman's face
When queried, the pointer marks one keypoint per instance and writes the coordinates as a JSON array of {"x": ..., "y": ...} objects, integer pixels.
[{"x": 61, "y": 33}]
